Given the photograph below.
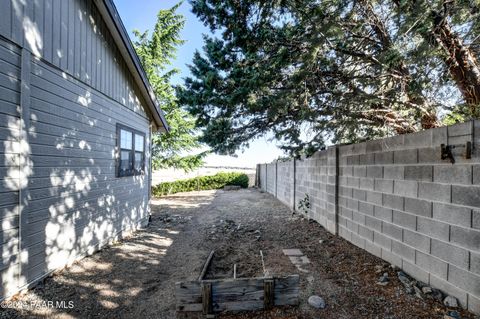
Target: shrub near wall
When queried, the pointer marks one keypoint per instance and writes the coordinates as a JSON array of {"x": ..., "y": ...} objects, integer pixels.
[{"x": 216, "y": 181}]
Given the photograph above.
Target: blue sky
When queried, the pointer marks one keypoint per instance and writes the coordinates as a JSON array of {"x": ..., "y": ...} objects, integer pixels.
[{"x": 141, "y": 15}]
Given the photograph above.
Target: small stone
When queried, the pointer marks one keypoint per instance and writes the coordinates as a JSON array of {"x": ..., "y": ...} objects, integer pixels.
[
  {"x": 320, "y": 241},
  {"x": 403, "y": 278},
  {"x": 427, "y": 290},
  {"x": 454, "y": 314},
  {"x": 437, "y": 295},
  {"x": 316, "y": 302},
  {"x": 418, "y": 292},
  {"x": 383, "y": 278},
  {"x": 450, "y": 301},
  {"x": 292, "y": 252},
  {"x": 378, "y": 269}
]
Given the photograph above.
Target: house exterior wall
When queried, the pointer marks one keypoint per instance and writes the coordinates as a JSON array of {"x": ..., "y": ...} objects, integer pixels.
[
  {"x": 63, "y": 89},
  {"x": 397, "y": 199},
  {"x": 71, "y": 35},
  {"x": 10, "y": 61}
]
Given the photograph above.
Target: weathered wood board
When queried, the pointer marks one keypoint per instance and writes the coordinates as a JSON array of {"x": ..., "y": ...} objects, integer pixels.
[{"x": 240, "y": 294}]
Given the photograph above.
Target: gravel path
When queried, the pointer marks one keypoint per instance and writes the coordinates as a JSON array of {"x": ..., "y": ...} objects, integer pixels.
[{"x": 135, "y": 278}]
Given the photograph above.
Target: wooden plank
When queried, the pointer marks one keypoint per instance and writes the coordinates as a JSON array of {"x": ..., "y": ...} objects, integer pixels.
[
  {"x": 6, "y": 20},
  {"x": 268, "y": 294},
  {"x": 207, "y": 298},
  {"x": 71, "y": 37},
  {"x": 205, "y": 266},
  {"x": 239, "y": 294},
  {"x": 83, "y": 39},
  {"x": 122, "y": 195},
  {"x": 47, "y": 30},
  {"x": 9, "y": 96},
  {"x": 9, "y": 82},
  {"x": 50, "y": 78},
  {"x": 103, "y": 53},
  {"x": 12, "y": 70},
  {"x": 94, "y": 45},
  {"x": 23, "y": 196},
  {"x": 88, "y": 44},
  {"x": 76, "y": 37},
  {"x": 9, "y": 198},
  {"x": 8, "y": 211},
  {"x": 8, "y": 235},
  {"x": 38, "y": 21},
  {"x": 56, "y": 30},
  {"x": 64, "y": 34},
  {"x": 10, "y": 53},
  {"x": 18, "y": 13}
]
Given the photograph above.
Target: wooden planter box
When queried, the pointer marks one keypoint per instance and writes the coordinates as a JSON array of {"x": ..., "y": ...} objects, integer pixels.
[{"x": 236, "y": 294}]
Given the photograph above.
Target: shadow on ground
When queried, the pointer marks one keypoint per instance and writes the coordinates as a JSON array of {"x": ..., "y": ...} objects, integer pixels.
[{"x": 129, "y": 277}]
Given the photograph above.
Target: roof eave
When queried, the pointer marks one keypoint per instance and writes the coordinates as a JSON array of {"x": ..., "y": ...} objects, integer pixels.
[{"x": 122, "y": 40}]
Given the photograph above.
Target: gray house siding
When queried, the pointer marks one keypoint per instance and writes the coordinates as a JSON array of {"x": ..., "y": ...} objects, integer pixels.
[
  {"x": 64, "y": 87},
  {"x": 71, "y": 35},
  {"x": 9, "y": 165}
]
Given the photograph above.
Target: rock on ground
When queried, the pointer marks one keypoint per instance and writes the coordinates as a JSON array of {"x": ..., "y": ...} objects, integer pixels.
[
  {"x": 316, "y": 302},
  {"x": 450, "y": 301}
]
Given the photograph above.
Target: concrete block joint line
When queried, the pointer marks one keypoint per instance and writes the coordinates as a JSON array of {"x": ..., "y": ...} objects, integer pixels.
[{"x": 398, "y": 199}]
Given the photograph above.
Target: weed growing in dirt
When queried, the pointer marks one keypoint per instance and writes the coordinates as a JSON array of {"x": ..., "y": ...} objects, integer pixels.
[{"x": 304, "y": 205}]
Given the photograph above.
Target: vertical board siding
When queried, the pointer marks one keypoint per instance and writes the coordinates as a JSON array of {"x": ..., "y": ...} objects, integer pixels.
[
  {"x": 38, "y": 21},
  {"x": 64, "y": 15},
  {"x": 71, "y": 35},
  {"x": 56, "y": 30},
  {"x": 6, "y": 20},
  {"x": 47, "y": 34},
  {"x": 9, "y": 167},
  {"x": 18, "y": 13}
]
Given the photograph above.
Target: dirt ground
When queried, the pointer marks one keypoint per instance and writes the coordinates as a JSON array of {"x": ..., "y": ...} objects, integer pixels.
[{"x": 135, "y": 278}]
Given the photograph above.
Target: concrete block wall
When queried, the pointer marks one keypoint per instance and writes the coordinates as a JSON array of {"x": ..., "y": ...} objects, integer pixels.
[
  {"x": 271, "y": 184},
  {"x": 312, "y": 179},
  {"x": 397, "y": 199},
  {"x": 285, "y": 182},
  {"x": 262, "y": 178}
]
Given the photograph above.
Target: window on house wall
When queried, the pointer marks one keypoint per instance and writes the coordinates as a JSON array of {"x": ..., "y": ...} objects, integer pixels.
[{"x": 131, "y": 151}]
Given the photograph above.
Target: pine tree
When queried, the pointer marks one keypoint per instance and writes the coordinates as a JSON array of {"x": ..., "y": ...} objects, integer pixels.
[
  {"x": 315, "y": 71},
  {"x": 156, "y": 51}
]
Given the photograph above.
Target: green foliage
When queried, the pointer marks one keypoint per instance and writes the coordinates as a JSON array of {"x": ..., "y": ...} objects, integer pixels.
[
  {"x": 216, "y": 181},
  {"x": 304, "y": 204},
  {"x": 457, "y": 114},
  {"x": 156, "y": 51},
  {"x": 311, "y": 72}
]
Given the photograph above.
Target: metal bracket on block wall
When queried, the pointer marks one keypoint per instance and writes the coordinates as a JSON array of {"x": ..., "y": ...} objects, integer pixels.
[
  {"x": 446, "y": 151},
  {"x": 459, "y": 137}
]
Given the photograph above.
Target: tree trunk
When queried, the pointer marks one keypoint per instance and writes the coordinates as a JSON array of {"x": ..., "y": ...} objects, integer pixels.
[
  {"x": 428, "y": 115},
  {"x": 461, "y": 63}
]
